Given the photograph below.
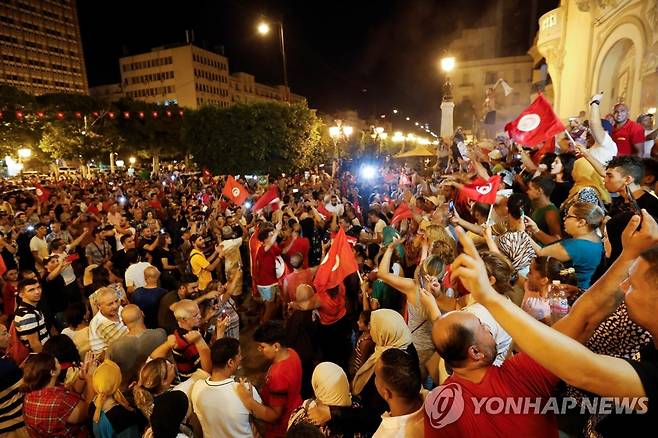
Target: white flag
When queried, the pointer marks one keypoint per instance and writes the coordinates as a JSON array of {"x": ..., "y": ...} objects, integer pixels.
[{"x": 506, "y": 87}]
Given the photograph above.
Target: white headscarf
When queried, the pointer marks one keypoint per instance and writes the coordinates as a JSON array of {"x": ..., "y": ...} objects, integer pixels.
[
  {"x": 388, "y": 330},
  {"x": 330, "y": 385}
]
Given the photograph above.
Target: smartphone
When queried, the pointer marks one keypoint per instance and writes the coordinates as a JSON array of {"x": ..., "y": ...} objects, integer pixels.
[
  {"x": 634, "y": 206},
  {"x": 205, "y": 208},
  {"x": 295, "y": 190},
  {"x": 72, "y": 257},
  {"x": 451, "y": 206},
  {"x": 162, "y": 231},
  {"x": 522, "y": 216}
]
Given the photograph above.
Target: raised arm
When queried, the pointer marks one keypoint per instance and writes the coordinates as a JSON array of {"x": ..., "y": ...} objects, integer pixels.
[
  {"x": 551, "y": 347},
  {"x": 404, "y": 285}
]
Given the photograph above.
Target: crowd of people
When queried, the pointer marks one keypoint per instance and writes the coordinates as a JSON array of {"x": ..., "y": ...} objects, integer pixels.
[{"x": 124, "y": 299}]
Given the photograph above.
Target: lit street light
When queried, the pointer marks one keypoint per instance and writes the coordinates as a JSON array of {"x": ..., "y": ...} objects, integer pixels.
[
  {"x": 24, "y": 153},
  {"x": 132, "y": 160},
  {"x": 264, "y": 29},
  {"x": 340, "y": 133}
]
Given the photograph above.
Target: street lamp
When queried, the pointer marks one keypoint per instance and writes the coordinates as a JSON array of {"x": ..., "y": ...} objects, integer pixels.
[
  {"x": 264, "y": 29},
  {"x": 338, "y": 133},
  {"x": 132, "y": 160},
  {"x": 24, "y": 153},
  {"x": 447, "y": 106}
]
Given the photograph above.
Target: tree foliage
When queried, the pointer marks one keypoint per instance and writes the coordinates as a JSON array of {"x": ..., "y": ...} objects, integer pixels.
[{"x": 255, "y": 138}]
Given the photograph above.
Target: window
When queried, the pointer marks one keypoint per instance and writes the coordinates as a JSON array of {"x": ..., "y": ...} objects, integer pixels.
[{"x": 490, "y": 77}]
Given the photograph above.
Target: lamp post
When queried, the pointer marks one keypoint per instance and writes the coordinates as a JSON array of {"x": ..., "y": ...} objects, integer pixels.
[
  {"x": 338, "y": 133},
  {"x": 447, "y": 105},
  {"x": 264, "y": 29}
]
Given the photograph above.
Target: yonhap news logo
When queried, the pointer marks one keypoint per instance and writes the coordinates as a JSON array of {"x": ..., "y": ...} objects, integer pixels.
[{"x": 445, "y": 404}]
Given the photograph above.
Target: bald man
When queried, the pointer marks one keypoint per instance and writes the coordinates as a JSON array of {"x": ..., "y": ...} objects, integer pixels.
[
  {"x": 469, "y": 349},
  {"x": 627, "y": 134},
  {"x": 131, "y": 351},
  {"x": 148, "y": 297}
]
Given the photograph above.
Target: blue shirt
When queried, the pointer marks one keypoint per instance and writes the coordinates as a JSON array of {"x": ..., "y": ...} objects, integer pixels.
[
  {"x": 148, "y": 299},
  {"x": 586, "y": 256}
]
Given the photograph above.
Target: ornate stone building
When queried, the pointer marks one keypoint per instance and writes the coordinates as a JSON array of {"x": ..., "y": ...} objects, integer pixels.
[{"x": 589, "y": 45}]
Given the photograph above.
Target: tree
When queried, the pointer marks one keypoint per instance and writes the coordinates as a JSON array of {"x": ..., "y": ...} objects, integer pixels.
[
  {"x": 262, "y": 137},
  {"x": 17, "y": 131}
]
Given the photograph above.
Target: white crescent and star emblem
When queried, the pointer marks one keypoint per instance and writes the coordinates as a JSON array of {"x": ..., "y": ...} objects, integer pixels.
[
  {"x": 484, "y": 190},
  {"x": 336, "y": 264},
  {"x": 528, "y": 122},
  {"x": 235, "y": 192}
]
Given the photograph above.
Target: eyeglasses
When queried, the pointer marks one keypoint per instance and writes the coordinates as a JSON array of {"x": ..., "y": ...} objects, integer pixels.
[{"x": 572, "y": 216}]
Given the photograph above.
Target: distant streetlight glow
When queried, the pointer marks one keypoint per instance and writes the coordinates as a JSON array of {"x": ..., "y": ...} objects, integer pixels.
[
  {"x": 416, "y": 123},
  {"x": 132, "y": 160},
  {"x": 383, "y": 116},
  {"x": 334, "y": 131},
  {"x": 379, "y": 130},
  {"x": 25, "y": 153},
  {"x": 448, "y": 64},
  {"x": 263, "y": 28},
  {"x": 395, "y": 111},
  {"x": 348, "y": 130},
  {"x": 408, "y": 118}
]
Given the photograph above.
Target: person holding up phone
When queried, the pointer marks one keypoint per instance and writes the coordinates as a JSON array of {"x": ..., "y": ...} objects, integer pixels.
[
  {"x": 67, "y": 252},
  {"x": 623, "y": 176}
]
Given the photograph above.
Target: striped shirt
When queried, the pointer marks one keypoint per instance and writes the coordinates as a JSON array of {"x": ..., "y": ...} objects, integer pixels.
[
  {"x": 29, "y": 320},
  {"x": 185, "y": 355},
  {"x": 104, "y": 331},
  {"x": 11, "y": 399}
]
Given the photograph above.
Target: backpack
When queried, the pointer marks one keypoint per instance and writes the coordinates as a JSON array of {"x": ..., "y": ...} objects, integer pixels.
[
  {"x": 188, "y": 265},
  {"x": 16, "y": 350}
]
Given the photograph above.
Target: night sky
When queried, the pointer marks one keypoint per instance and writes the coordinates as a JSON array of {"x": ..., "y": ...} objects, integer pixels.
[{"x": 368, "y": 55}]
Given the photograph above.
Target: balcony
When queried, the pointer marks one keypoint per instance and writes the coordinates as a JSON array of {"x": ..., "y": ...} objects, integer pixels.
[{"x": 550, "y": 28}]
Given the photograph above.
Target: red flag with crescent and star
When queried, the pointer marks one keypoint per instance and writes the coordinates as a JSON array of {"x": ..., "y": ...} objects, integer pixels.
[
  {"x": 42, "y": 193},
  {"x": 535, "y": 124},
  {"x": 481, "y": 190},
  {"x": 235, "y": 191},
  {"x": 337, "y": 264}
]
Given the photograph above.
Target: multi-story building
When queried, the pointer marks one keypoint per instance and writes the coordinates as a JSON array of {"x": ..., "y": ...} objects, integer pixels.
[
  {"x": 478, "y": 69},
  {"x": 40, "y": 47},
  {"x": 588, "y": 46},
  {"x": 244, "y": 88},
  {"x": 185, "y": 75}
]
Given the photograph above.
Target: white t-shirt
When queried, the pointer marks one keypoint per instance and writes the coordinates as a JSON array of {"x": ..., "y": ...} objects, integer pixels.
[
  {"x": 503, "y": 340},
  {"x": 80, "y": 339},
  {"x": 40, "y": 246},
  {"x": 135, "y": 274},
  {"x": 379, "y": 226},
  {"x": 648, "y": 145},
  {"x": 219, "y": 409},
  {"x": 403, "y": 426},
  {"x": 606, "y": 151}
]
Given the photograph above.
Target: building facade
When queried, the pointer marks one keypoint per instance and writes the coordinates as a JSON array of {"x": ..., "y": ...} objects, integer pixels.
[
  {"x": 107, "y": 93},
  {"x": 477, "y": 70},
  {"x": 185, "y": 75},
  {"x": 40, "y": 46},
  {"x": 600, "y": 45}
]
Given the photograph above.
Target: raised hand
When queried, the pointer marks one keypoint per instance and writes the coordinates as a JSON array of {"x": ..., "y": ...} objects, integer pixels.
[
  {"x": 634, "y": 240},
  {"x": 471, "y": 270}
]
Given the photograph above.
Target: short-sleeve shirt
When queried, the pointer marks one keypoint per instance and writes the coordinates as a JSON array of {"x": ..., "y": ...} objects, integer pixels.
[
  {"x": 148, "y": 300},
  {"x": 265, "y": 265},
  {"x": 104, "y": 331},
  {"x": 97, "y": 253},
  {"x": 45, "y": 413},
  {"x": 11, "y": 398},
  {"x": 300, "y": 245},
  {"x": 605, "y": 151},
  {"x": 40, "y": 246},
  {"x": 586, "y": 256},
  {"x": 629, "y": 134},
  {"x": 518, "y": 377},
  {"x": 28, "y": 320},
  {"x": 232, "y": 420},
  {"x": 283, "y": 385},
  {"x": 199, "y": 263},
  {"x": 294, "y": 280}
]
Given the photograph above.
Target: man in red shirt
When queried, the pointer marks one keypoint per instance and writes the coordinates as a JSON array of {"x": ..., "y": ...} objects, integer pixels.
[
  {"x": 265, "y": 269},
  {"x": 628, "y": 135},
  {"x": 295, "y": 244},
  {"x": 282, "y": 391},
  {"x": 299, "y": 276}
]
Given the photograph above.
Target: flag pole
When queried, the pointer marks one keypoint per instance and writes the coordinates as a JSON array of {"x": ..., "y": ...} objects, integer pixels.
[
  {"x": 573, "y": 142},
  {"x": 490, "y": 214}
]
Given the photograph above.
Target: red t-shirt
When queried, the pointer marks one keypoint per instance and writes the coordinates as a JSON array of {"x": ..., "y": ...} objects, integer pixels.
[
  {"x": 283, "y": 386},
  {"x": 302, "y": 245},
  {"x": 626, "y": 136},
  {"x": 519, "y": 377},
  {"x": 294, "y": 279},
  {"x": 331, "y": 309},
  {"x": 265, "y": 265},
  {"x": 9, "y": 299}
]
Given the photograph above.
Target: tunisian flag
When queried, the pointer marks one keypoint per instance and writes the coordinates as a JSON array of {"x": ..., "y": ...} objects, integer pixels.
[
  {"x": 535, "y": 124},
  {"x": 481, "y": 190},
  {"x": 337, "y": 264},
  {"x": 322, "y": 210},
  {"x": 42, "y": 193},
  {"x": 269, "y": 197},
  {"x": 402, "y": 212},
  {"x": 235, "y": 191}
]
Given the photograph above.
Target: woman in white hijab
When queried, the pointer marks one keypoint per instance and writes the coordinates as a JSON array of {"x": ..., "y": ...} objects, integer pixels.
[
  {"x": 388, "y": 330},
  {"x": 331, "y": 388}
]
